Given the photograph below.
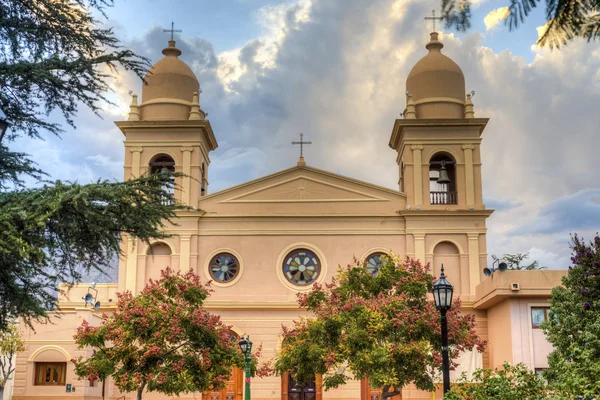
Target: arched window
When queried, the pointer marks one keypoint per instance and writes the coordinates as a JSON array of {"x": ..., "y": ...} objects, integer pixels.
[
  {"x": 163, "y": 163},
  {"x": 374, "y": 261},
  {"x": 447, "y": 253},
  {"x": 158, "y": 258},
  {"x": 442, "y": 179}
]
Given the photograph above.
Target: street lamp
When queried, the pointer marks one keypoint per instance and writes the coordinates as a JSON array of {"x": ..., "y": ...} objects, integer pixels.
[
  {"x": 246, "y": 348},
  {"x": 442, "y": 295}
]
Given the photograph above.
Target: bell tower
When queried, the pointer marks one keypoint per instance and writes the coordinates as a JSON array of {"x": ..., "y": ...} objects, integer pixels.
[
  {"x": 168, "y": 130},
  {"x": 438, "y": 139},
  {"x": 438, "y": 145}
]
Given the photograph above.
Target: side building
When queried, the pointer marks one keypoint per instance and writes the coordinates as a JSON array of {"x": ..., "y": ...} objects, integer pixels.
[{"x": 244, "y": 238}]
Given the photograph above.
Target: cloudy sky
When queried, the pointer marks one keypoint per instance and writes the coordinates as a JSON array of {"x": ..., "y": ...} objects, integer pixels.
[{"x": 336, "y": 70}]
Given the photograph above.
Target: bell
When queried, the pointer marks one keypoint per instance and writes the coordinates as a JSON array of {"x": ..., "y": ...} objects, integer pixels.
[{"x": 443, "y": 174}]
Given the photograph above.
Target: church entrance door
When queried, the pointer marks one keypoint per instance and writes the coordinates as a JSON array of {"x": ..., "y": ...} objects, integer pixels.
[
  {"x": 233, "y": 389},
  {"x": 295, "y": 391}
]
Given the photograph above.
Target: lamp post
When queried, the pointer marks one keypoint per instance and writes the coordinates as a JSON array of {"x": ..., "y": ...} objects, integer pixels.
[
  {"x": 246, "y": 348},
  {"x": 442, "y": 295}
]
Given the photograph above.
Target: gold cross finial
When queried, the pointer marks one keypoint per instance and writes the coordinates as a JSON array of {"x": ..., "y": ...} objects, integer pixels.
[
  {"x": 172, "y": 30},
  {"x": 301, "y": 143},
  {"x": 433, "y": 18}
]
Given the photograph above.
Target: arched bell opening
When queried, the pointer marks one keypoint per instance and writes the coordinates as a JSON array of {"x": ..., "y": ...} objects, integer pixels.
[
  {"x": 442, "y": 179},
  {"x": 163, "y": 163}
]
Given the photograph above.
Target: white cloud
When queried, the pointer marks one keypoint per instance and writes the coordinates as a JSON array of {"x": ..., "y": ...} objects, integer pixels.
[
  {"x": 496, "y": 16},
  {"x": 336, "y": 70}
]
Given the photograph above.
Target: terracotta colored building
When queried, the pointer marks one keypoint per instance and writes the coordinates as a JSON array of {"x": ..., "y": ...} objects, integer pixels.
[{"x": 265, "y": 240}]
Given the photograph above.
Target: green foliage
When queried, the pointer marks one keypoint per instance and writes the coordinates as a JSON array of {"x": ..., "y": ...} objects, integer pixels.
[
  {"x": 10, "y": 344},
  {"x": 574, "y": 329},
  {"x": 383, "y": 327},
  {"x": 55, "y": 233},
  {"x": 512, "y": 382},
  {"x": 54, "y": 57},
  {"x": 566, "y": 19},
  {"x": 514, "y": 262},
  {"x": 162, "y": 340}
]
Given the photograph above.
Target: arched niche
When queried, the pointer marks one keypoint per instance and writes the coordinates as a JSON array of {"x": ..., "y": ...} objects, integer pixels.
[
  {"x": 158, "y": 257},
  {"x": 442, "y": 179},
  {"x": 447, "y": 253}
]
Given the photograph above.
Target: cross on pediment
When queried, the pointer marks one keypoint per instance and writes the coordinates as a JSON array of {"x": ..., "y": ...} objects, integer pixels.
[
  {"x": 433, "y": 18},
  {"x": 301, "y": 143},
  {"x": 172, "y": 30}
]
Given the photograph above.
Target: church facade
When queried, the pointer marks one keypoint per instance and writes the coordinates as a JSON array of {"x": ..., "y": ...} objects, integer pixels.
[{"x": 264, "y": 241}]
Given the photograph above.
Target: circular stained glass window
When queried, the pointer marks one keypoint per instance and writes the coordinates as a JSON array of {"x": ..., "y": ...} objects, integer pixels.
[
  {"x": 374, "y": 262},
  {"x": 301, "y": 267},
  {"x": 224, "y": 267}
]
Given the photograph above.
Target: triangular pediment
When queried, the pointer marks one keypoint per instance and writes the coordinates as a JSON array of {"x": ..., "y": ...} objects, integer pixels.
[
  {"x": 303, "y": 188},
  {"x": 303, "y": 191}
]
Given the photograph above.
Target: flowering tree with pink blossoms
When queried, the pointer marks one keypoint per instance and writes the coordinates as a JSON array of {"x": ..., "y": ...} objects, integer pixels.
[
  {"x": 162, "y": 340},
  {"x": 382, "y": 327}
]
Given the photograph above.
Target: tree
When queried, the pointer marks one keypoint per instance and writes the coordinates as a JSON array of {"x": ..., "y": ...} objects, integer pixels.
[
  {"x": 162, "y": 340},
  {"x": 566, "y": 19},
  {"x": 512, "y": 382},
  {"x": 383, "y": 327},
  {"x": 573, "y": 328},
  {"x": 55, "y": 58},
  {"x": 514, "y": 262},
  {"x": 10, "y": 344}
]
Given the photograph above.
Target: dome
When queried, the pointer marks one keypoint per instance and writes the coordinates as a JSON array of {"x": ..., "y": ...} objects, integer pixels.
[
  {"x": 437, "y": 84},
  {"x": 169, "y": 89}
]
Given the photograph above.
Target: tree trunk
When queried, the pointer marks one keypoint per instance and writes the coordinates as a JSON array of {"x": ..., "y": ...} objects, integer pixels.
[
  {"x": 1, "y": 392},
  {"x": 386, "y": 393},
  {"x": 140, "y": 391}
]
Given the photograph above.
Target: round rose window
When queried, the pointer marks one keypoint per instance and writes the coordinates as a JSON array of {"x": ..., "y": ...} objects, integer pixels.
[
  {"x": 374, "y": 262},
  {"x": 301, "y": 267},
  {"x": 224, "y": 267}
]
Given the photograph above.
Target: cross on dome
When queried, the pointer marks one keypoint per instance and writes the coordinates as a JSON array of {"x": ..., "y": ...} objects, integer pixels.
[
  {"x": 433, "y": 18},
  {"x": 172, "y": 30}
]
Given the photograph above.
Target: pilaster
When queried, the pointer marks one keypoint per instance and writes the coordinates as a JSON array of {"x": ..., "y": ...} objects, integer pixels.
[
  {"x": 418, "y": 175},
  {"x": 184, "y": 252},
  {"x": 131, "y": 272},
  {"x": 469, "y": 174},
  {"x": 135, "y": 161},
  {"x": 474, "y": 273},
  {"x": 187, "y": 170},
  {"x": 419, "y": 246}
]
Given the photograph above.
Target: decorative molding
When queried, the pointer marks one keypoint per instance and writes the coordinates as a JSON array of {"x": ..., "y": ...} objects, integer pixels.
[
  {"x": 278, "y": 232},
  {"x": 417, "y": 147},
  {"x": 42, "y": 349},
  {"x": 187, "y": 148},
  {"x": 376, "y": 250},
  {"x": 439, "y": 100},
  {"x": 136, "y": 149},
  {"x": 468, "y": 147},
  {"x": 449, "y": 240},
  {"x": 301, "y": 189}
]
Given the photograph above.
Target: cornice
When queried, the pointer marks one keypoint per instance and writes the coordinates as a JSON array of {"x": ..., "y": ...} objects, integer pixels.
[
  {"x": 445, "y": 213},
  {"x": 401, "y": 124},
  {"x": 204, "y": 124}
]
